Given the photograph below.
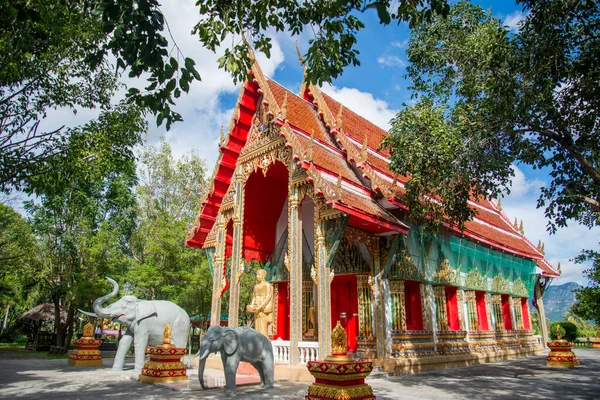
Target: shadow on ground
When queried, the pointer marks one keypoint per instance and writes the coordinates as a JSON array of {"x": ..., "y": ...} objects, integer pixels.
[{"x": 515, "y": 379}]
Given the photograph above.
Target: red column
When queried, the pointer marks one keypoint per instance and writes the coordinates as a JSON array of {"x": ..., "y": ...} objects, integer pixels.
[
  {"x": 482, "y": 320},
  {"x": 525, "y": 312},
  {"x": 452, "y": 308}
]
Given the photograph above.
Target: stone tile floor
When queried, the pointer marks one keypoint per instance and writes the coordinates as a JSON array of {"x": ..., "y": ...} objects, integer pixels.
[{"x": 526, "y": 378}]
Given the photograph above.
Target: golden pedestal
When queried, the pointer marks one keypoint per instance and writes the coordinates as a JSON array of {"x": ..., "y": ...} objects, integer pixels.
[
  {"x": 86, "y": 353},
  {"x": 561, "y": 355},
  {"x": 165, "y": 362},
  {"x": 339, "y": 377},
  {"x": 595, "y": 343}
]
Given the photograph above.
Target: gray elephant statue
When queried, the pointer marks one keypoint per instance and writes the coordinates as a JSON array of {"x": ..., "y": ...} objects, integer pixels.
[
  {"x": 235, "y": 345},
  {"x": 145, "y": 321}
]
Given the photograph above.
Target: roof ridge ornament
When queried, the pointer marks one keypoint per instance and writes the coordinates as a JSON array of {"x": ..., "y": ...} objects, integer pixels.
[
  {"x": 283, "y": 108},
  {"x": 309, "y": 149},
  {"x": 521, "y": 230},
  {"x": 338, "y": 118}
]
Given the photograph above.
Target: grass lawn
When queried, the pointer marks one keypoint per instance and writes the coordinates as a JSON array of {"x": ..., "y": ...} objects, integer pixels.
[{"x": 17, "y": 350}]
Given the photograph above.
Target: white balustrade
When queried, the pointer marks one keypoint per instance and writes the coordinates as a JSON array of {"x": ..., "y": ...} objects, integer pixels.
[
  {"x": 309, "y": 351},
  {"x": 281, "y": 351}
]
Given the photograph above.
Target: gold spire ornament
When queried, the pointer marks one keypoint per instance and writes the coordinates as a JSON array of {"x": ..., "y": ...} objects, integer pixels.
[
  {"x": 88, "y": 330},
  {"x": 521, "y": 230},
  {"x": 86, "y": 353},
  {"x": 167, "y": 333},
  {"x": 339, "y": 342}
]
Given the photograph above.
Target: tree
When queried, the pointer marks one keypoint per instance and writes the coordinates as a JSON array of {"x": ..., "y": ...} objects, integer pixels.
[
  {"x": 162, "y": 267},
  {"x": 487, "y": 98},
  {"x": 84, "y": 211},
  {"x": 334, "y": 25},
  {"x": 43, "y": 47},
  {"x": 54, "y": 54},
  {"x": 588, "y": 298},
  {"x": 17, "y": 246}
]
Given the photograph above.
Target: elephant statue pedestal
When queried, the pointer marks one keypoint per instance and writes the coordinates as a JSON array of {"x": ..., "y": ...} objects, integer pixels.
[
  {"x": 339, "y": 376},
  {"x": 86, "y": 353},
  {"x": 165, "y": 362}
]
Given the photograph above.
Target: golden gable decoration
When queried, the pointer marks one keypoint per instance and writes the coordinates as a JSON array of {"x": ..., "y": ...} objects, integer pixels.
[
  {"x": 405, "y": 267},
  {"x": 445, "y": 274},
  {"x": 519, "y": 288},
  {"x": 500, "y": 284},
  {"x": 475, "y": 280}
]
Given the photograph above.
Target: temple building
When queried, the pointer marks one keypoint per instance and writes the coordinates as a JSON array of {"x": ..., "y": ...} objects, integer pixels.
[{"x": 301, "y": 186}]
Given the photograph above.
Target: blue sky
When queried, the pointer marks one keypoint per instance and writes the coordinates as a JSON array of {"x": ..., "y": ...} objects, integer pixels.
[{"x": 376, "y": 89}]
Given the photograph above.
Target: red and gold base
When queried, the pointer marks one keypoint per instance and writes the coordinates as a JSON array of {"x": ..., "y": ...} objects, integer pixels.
[
  {"x": 561, "y": 355},
  {"x": 164, "y": 366},
  {"x": 595, "y": 343},
  {"x": 340, "y": 380},
  {"x": 86, "y": 353}
]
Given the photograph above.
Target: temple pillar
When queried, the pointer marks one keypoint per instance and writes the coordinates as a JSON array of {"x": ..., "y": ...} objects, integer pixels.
[
  {"x": 275, "y": 311},
  {"x": 365, "y": 288},
  {"x": 294, "y": 255},
  {"x": 511, "y": 309},
  {"x": 236, "y": 254},
  {"x": 518, "y": 312},
  {"x": 379, "y": 304},
  {"x": 427, "y": 305},
  {"x": 471, "y": 310},
  {"x": 440, "y": 302},
  {"x": 215, "y": 308},
  {"x": 397, "y": 303},
  {"x": 488, "y": 310},
  {"x": 462, "y": 320},
  {"x": 497, "y": 307},
  {"x": 323, "y": 287}
]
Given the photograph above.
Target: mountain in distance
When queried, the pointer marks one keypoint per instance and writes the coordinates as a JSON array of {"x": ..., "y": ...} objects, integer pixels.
[{"x": 558, "y": 299}]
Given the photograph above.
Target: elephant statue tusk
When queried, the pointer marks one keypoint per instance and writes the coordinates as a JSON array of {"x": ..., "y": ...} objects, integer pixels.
[
  {"x": 203, "y": 355},
  {"x": 90, "y": 314}
]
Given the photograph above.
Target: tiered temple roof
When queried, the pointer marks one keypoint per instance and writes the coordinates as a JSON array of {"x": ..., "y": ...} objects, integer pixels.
[{"x": 339, "y": 151}]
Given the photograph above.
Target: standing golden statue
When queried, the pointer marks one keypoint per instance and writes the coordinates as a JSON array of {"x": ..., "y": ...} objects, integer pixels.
[{"x": 262, "y": 303}]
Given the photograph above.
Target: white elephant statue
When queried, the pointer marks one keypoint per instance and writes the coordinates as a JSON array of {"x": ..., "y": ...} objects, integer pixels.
[{"x": 145, "y": 321}]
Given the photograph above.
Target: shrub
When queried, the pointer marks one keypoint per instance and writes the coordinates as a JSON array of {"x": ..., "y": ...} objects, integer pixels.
[{"x": 568, "y": 331}]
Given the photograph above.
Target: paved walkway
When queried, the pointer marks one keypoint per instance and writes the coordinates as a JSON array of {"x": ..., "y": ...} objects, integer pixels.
[{"x": 527, "y": 378}]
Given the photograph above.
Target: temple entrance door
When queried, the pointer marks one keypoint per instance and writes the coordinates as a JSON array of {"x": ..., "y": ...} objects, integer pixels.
[{"x": 344, "y": 306}]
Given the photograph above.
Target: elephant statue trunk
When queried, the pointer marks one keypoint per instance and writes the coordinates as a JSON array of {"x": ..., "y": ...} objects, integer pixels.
[
  {"x": 201, "y": 365},
  {"x": 97, "y": 306},
  {"x": 99, "y": 311}
]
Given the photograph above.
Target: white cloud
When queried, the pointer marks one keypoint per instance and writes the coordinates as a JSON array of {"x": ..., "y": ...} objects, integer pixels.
[
  {"x": 363, "y": 103},
  {"x": 513, "y": 21},
  {"x": 202, "y": 109},
  {"x": 521, "y": 186},
  {"x": 391, "y": 61},
  {"x": 401, "y": 45},
  {"x": 563, "y": 246}
]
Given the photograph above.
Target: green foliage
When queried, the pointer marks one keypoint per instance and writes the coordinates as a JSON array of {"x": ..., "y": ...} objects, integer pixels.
[
  {"x": 83, "y": 214},
  {"x": 134, "y": 35},
  {"x": 568, "y": 331},
  {"x": 487, "y": 98},
  {"x": 334, "y": 24},
  {"x": 161, "y": 266},
  {"x": 43, "y": 50},
  {"x": 554, "y": 329},
  {"x": 17, "y": 250},
  {"x": 588, "y": 298}
]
